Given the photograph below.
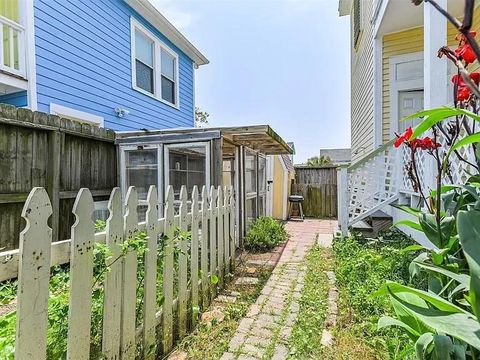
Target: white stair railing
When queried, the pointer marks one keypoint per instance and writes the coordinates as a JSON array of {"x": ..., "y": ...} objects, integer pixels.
[
  {"x": 371, "y": 183},
  {"x": 377, "y": 179}
]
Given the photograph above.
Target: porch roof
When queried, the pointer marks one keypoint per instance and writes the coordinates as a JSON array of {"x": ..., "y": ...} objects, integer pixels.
[{"x": 260, "y": 138}]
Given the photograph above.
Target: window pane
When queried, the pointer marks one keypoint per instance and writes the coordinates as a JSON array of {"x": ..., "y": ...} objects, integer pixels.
[
  {"x": 187, "y": 167},
  {"x": 250, "y": 173},
  {"x": 141, "y": 170},
  {"x": 143, "y": 49},
  {"x": 10, "y": 10},
  {"x": 168, "y": 90},
  {"x": 262, "y": 175},
  {"x": 250, "y": 211},
  {"x": 144, "y": 76},
  {"x": 168, "y": 65}
]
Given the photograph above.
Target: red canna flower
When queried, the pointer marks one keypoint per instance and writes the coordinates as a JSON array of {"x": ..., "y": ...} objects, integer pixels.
[
  {"x": 405, "y": 137},
  {"x": 464, "y": 50},
  {"x": 475, "y": 76},
  {"x": 427, "y": 143},
  {"x": 463, "y": 92}
]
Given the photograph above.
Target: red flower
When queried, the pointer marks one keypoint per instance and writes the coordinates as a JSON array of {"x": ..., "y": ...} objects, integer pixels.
[
  {"x": 464, "y": 50},
  {"x": 405, "y": 137},
  {"x": 475, "y": 76},
  {"x": 428, "y": 144},
  {"x": 424, "y": 144},
  {"x": 463, "y": 92}
]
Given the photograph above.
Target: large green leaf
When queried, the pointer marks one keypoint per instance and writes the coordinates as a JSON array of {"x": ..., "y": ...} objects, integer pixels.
[
  {"x": 463, "y": 279},
  {"x": 386, "y": 321},
  {"x": 429, "y": 121},
  {"x": 457, "y": 325},
  {"x": 407, "y": 209},
  {"x": 443, "y": 347},
  {"x": 467, "y": 140},
  {"x": 422, "y": 344},
  {"x": 424, "y": 113},
  {"x": 411, "y": 224},
  {"x": 468, "y": 224},
  {"x": 429, "y": 226},
  {"x": 437, "y": 301}
]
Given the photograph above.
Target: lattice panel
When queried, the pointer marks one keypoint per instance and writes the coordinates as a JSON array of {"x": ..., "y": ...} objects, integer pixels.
[{"x": 373, "y": 182}]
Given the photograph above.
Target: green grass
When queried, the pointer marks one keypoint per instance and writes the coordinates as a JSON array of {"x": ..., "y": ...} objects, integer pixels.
[
  {"x": 211, "y": 341},
  {"x": 304, "y": 342},
  {"x": 362, "y": 265}
]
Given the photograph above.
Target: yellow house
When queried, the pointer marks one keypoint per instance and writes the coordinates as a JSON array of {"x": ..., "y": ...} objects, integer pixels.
[
  {"x": 280, "y": 176},
  {"x": 395, "y": 72}
]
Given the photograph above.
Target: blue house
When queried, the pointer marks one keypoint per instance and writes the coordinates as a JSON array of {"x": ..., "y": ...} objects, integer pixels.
[{"x": 117, "y": 63}]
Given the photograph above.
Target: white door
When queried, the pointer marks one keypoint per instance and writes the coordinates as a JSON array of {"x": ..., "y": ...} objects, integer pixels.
[{"x": 409, "y": 102}]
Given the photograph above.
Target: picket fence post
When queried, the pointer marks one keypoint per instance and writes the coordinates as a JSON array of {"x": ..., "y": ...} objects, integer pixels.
[
  {"x": 168, "y": 273},
  {"x": 220, "y": 243},
  {"x": 150, "y": 280},
  {"x": 113, "y": 291},
  {"x": 81, "y": 277},
  {"x": 182, "y": 265},
  {"x": 232, "y": 237},
  {"x": 226, "y": 228},
  {"x": 34, "y": 278},
  {"x": 204, "y": 250},
  {"x": 213, "y": 240},
  {"x": 194, "y": 256}
]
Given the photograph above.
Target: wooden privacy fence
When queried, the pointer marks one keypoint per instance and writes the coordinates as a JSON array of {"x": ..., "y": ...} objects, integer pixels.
[
  {"x": 318, "y": 186},
  {"x": 192, "y": 268},
  {"x": 61, "y": 155}
]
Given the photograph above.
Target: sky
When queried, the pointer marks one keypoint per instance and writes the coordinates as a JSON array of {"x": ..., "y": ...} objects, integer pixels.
[{"x": 284, "y": 63}]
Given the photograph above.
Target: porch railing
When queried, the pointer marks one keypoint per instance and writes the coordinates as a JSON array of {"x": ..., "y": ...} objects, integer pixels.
[
  {"x": 13, "y": 50},
  {"x": 381, "y": 177}
]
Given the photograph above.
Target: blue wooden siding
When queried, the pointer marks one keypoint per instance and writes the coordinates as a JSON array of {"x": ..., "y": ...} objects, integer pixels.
[
  {"x": 84, "y": 62},
  {"x": 19, "y": 99}
]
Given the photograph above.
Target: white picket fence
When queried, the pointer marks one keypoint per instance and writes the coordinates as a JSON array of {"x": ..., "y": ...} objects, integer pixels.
[{"x": 211, "y": 222}]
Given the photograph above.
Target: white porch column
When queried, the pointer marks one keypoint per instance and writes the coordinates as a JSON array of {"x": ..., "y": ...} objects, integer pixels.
[{"x": 435, "y": 70}]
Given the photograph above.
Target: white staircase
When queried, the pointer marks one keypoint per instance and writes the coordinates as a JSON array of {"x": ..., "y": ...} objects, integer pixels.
[{"x": 380, "y": 178}]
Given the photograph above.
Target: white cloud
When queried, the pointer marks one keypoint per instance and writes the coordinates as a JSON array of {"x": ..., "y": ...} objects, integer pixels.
[{"x": 179, "y": 18}]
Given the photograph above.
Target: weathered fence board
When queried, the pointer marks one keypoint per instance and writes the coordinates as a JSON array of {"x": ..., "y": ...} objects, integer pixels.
[
  {"x": 150, "y": 281},
  {"x": 182, "y": 265},
  {"x": 81, "y": 278},
  {"x": 34, "y": 278},
  {"x": 113, "y": 290},
  {"x": 129, "y": 277},
  {"x": 318, "y": 186},
  {"x": 61, "y": 155},
  {"x": 194, "y": 256}
]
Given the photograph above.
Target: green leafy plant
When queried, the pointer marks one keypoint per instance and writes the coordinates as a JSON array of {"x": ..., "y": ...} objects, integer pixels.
[
  {"x": 442, "y": 322},
  {"x": 264, "y": 234}
]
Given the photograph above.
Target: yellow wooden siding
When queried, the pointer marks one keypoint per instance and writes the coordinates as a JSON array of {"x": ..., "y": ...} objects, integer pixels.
[
  {"x": 362, "y": 88},
  {"x": 400, "y": 43},
  {"x": 406, "y": 42},
  {"x": 278, "y": 188}
]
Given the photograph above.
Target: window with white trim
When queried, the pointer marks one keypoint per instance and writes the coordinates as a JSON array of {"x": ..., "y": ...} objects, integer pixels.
[{"x": 154, "y": 66}]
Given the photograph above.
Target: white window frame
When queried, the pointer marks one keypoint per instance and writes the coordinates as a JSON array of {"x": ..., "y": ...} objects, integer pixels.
[
  {"x": 157, "y": 66},
  {"x": 166, "y": 156},
  {"x": 78, "y": 115}
]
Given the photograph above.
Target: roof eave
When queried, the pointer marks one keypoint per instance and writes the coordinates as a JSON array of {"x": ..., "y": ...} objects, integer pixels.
[{"x": 160, "y": 22}]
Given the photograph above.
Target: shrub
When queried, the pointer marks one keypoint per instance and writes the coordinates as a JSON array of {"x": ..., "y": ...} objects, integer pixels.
[{"x": 264, "y": 234}]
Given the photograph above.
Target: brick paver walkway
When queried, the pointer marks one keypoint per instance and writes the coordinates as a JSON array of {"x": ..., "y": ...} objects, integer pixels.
[{"x": 263, "y": 333}]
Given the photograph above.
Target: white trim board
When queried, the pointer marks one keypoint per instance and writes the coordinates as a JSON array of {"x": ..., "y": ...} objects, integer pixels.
[
  {"x": 64, "y": 111},
  {"x": 154, "y": 17},
  {"x": 30, "y": 62}
]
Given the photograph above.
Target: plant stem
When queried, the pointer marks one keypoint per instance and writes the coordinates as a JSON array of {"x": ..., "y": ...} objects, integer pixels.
[
  {"x": 417, "y": 179},
  {"x": 439, "y": 186}
]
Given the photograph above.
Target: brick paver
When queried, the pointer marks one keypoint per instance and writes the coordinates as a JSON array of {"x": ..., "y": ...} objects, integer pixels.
[{"x": 264, "y": 332}]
